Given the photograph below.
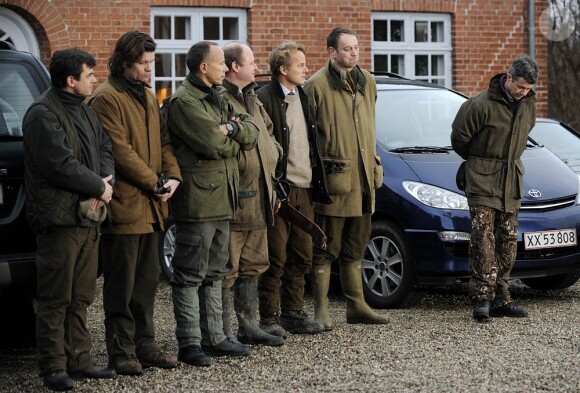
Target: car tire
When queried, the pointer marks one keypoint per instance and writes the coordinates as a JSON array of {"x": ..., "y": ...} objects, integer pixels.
[
  {"x": 560, "y": 281},
  {"x": 167, "y": 248},
  {"x": 388, "y": 280},
  {"x": 19, "y": 322}
]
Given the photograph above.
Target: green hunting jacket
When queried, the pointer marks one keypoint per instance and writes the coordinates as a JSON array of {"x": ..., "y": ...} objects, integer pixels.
[
  {"x": 491, "y": 137},
  {"x": 207, "y": 158}
]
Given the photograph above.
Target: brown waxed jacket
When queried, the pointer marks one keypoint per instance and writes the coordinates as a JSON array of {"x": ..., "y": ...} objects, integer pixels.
[
  {"x": 141, "y": 148},
  {"x": 491, "y": 139}
]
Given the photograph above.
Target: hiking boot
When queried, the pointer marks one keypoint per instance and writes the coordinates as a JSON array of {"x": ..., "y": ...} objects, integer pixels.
[
  {"x": 228, "y": 347},
  {"x": 271, "y": 325},
  {"x": 129, "y": 366},
  {"x": 58, "y": 380},
  {"x": 158, "y": 359},
  {"x": 509, "y": 310},
  {"x": 194, "y": 356},
  {"x": 297, "y": 322},
  {"x": 481, "y": 310}
]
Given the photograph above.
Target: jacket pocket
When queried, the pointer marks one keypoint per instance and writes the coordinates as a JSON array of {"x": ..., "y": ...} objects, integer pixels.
[
  {"x": 484, "y": 176},
  {"x": 186, "y": 243},
  {"x": 126, "y": 206},
  {"x": 338, "y": 176}
]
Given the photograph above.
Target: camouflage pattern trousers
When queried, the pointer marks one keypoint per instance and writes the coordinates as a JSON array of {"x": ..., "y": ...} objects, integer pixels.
[{"x": 492, "y": 253}]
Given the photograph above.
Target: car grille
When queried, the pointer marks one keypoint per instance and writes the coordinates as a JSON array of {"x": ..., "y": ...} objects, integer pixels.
[
  {"x": 552, "y": 204},
  {"x": 459, "y": 250}
]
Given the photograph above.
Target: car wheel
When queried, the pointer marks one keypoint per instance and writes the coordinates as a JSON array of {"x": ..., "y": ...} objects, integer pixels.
[
  {"x": 19, "y": 323},
  {"x": 560, "y": 281},
  {"x": 167, "y": 248},
  {"x": 386, "y": 269}
]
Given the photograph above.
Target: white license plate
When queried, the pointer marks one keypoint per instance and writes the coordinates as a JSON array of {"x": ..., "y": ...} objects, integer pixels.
[{"x": 550, "y": 239}]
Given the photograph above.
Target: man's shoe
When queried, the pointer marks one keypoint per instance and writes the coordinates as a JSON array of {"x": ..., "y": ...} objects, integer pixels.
[
  {"x": 129, "y": 366},
  {"x": 297, "y": 322},
  {"x": 228, "y": 347},
  {"x": 194, "y": 356},
  {"x": 271, "y": 325},
  {"x": 509, "y": 310},
  {"x": 481, "y": 310},
  {"x": 158, "y": 359},
  {"x": 93, "y": 373},
  {"x": 58, "y": 380}
]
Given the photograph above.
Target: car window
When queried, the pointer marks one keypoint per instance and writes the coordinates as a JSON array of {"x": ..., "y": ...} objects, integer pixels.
[
  {"x": 18, "y": 90},
  {"x": 562, "y": 142},
  {"x": 417, "y": 117}
]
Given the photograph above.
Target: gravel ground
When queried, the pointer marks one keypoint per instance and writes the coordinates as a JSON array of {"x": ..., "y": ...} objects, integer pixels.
[{"x": 434, "y": 347}]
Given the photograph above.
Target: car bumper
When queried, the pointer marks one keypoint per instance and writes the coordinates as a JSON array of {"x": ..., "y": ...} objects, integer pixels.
[{"x": 18, "y": 274}]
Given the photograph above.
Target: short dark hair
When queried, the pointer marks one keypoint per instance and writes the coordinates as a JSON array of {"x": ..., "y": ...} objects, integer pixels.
[
  {"x": 197, "y": 55},
  {"x": 68, "y": 62},
  {"x": 128, "y": 50},
  {"x": 332, "y": 39},
  {"x": 525, "y": 67},
  {"x": 281, "y": 56},
  {"x": 233, "y": 52}
]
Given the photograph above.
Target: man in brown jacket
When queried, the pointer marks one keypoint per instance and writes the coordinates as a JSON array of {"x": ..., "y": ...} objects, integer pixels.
[
  {"x": 256, "y": 196},
  {"x": 344, "y": 98},
  {"x": 490, "y": 132},
  {"x": 142, "y": 150}
]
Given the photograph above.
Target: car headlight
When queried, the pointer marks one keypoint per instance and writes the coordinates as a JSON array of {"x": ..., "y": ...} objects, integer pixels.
[
  {"x": 578, "y": 195},
  {"x": 437, "y": 197}
]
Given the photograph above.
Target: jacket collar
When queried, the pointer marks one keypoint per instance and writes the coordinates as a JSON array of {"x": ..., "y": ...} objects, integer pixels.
[
  {"x": 235, "y": 90},
  {"x": 202, "y": 90},
  {"x": 496, "y": 89},
  {"x": 337, "y": 78}
]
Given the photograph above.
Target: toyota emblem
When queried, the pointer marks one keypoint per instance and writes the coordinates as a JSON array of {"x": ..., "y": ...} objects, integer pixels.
[{"x": 534, "y": 193}]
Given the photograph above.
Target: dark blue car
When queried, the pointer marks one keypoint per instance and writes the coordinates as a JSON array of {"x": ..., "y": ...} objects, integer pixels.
[{"x": 421, "y": 224}]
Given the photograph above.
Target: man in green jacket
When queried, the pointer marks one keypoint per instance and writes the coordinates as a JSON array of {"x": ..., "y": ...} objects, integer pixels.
[
  {"x": 344, "y": 99},
  {"x": 248, "y": 247},
  {"x": 490, "y": 132},
  {"x": 208, "y": 135},
  {"x": 68, "y": 171},
  {"x": 142, "y": 148}
]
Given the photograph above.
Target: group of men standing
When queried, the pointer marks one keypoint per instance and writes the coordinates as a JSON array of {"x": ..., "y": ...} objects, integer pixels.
[{"x": 223, "y": 155}]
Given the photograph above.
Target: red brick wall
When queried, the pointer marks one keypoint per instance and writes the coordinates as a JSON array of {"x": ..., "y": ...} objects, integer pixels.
[{"x": 487, "y": 34}]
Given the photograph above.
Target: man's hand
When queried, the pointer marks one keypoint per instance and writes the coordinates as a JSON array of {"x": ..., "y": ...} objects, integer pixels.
[
  {"x": 108, "y": 194},
  {"x": 172, "y": 185}
]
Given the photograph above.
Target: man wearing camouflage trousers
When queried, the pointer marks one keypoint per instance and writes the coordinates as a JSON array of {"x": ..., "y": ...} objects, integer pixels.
[{"x": 490, "y": 132}]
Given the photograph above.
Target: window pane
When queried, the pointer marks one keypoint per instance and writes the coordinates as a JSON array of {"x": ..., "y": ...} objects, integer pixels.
[
  {"x": 380, "y": 30},
  {"x": 230, "y": 27},
  {"x": 180, "y": 65},
  {"x": 162, "y": 90},
  {"x": 162, "y": 28},
  {"x": 439, "y": 81},
  {"x": 211, "y": 28},
  {"x": 182, "y": 28},
  {"x": 437, "y": 62},
  {"x": 398, "y": 64},
  {"x": 163, "y": 64},
  {"x": 437, "y": 32},
  {"x": 381, "y": 63},
  {"x": 421, "y": 65},
  {"x": 421, "y": 31},
  {"x": 397, "y": 30}
]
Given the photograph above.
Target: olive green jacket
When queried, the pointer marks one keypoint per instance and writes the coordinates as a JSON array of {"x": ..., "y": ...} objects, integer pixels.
[
  {"x": 491, "y": 139},
  {"x": 207, "y": 158},
  {"x": 347, "y": 133}
]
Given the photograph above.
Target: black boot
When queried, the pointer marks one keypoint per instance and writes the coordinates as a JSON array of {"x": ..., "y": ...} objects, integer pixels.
[
  {"x": 58, "y": 380},
  {"x": 246, "y": 306},
  {"x": 481, "y": 310},
  {"x": 509, "y": 310}
]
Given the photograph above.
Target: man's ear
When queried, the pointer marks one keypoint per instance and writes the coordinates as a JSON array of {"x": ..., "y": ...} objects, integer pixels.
[
  {"x": 283, "y": 70},
  {"x": 331, "y": 51},
  {"x": 70, "y": 81},
  {"x": 203, "y": 68}
]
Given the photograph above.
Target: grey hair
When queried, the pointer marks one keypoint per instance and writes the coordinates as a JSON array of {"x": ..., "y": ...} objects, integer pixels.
[{"x": 525, "y": 67}]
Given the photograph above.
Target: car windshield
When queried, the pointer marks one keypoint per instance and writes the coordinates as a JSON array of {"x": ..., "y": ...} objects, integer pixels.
[
  {"x": 17, "y": 92},
  {"x": 416, "y": 120},
  {"x": 561, "y": 141}
]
